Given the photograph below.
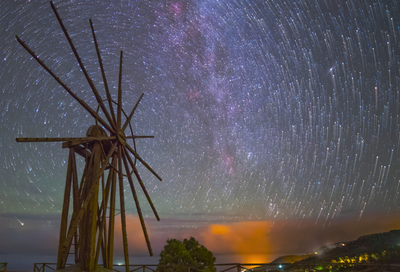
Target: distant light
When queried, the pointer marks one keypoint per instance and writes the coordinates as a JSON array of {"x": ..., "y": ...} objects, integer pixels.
[
  {"x": 343, "y": 244},
  {"x": 19, "y": 221},
  {"x": 316, "y": 252},
  {"x": 280, "y": 266}
]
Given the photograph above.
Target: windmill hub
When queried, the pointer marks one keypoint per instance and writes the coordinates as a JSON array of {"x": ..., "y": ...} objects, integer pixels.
[
  {"x": 121, "y": 137},
  {"x": 96, "y": 131}
]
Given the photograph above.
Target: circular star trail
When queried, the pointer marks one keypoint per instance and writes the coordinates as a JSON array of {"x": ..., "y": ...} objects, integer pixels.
[{"x": 261, "y": 110}]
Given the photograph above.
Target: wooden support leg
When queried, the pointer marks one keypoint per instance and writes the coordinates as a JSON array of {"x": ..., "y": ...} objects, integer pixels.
[
  {"x": 61, "y": 260},
  {"x": 110, "y": 245},
  {"x": 122, "y": 204}
]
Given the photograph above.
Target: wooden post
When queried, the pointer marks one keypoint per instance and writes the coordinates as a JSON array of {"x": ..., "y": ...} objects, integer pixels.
[
  {"x": 122, "y": 204},
  {"x": 110, "y": 246},
  {"x": 76, "y": 202},
  {"x": 64, "y": 216}
]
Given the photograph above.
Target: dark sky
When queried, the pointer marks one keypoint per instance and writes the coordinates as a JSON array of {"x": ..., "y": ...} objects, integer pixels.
[{"x": 276, "y": 123}]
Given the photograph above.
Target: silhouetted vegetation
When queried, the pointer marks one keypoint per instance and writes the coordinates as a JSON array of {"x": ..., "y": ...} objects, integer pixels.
[{"x": 186, "y": 256}]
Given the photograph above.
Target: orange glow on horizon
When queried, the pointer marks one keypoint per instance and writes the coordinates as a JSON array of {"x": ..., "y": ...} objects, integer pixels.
[
  {"x": 254, "y": 241},
  {"x": 219, "y": 229},
  {"x": 255, "y": 258},
  {"x": 242, "y": 238}
]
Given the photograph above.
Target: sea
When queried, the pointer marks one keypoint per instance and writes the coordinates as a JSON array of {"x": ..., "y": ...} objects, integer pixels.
[{"x": 17, "y": 262}]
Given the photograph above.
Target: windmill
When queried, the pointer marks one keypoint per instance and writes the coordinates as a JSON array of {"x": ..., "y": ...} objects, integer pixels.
[{"x": 107, "y": 154}]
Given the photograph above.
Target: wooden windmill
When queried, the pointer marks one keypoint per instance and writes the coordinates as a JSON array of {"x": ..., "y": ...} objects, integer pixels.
[{"x": 90, "y": 228}]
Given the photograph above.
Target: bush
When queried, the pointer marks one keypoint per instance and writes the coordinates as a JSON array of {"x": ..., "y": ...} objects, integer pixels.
[{"x": 186, "y": 256}]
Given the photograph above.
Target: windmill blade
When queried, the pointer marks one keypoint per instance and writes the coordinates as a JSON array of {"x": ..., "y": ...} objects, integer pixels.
[
  {"x": 103, "y": 75},
  {"x": 139, "y": 210},
  {"x": 128, "y": 120},
  {"x": 135, "y": 171},
  {"x": 79, "y": 139},
  {"x": 143, "y": 162},
  {"x": 80, "y": 101},
  {"x": 119, "y": 111},
  {"x": 122, "y": 207},
  {"x": 89, "y": 80}
]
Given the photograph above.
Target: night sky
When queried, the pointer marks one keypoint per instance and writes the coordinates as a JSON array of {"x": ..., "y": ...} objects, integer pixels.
[{"x": 276, "y": 123}]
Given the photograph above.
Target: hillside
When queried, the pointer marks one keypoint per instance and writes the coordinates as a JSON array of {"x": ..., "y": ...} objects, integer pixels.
[
  {"x": 290, "y": 259},
  {"x": 375, "y": 252},
  {"x": 384, "y": 247}
]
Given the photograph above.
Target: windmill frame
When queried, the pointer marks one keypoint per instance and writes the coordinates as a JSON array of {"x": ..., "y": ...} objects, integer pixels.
[{"x": 104, "y": 149}]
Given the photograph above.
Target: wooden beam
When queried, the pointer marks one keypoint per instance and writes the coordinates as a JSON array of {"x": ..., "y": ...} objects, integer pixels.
[
  {"x": 77, "y": 217},
  {"x": 139, "y": 210},
  {"x": 94, "y": 205},
  {"x": 135, "y": 171},
  {"x": 119, "y": 110},
  {"x": 73, "y": 225},
  {"x": 104, "y": 203},
  {"x": 80, "y": 101},
  {"x": 64, "y": 215},
  {"x": 143, "y": 162},
  {"x": 89, "y": 80},
  {"x": 82, "y": 151},
  {"x": 85, "y": 140},
  {"x": 76, "y": 203},
  {"x": 109, "y": 99},
  {"x": 111, "y": 223},
  {"x": 132, "y": 112},
  {"x": 122, "y": 207}
]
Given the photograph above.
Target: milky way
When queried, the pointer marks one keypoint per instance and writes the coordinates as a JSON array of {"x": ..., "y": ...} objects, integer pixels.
[{"x": 261, "y": 110}]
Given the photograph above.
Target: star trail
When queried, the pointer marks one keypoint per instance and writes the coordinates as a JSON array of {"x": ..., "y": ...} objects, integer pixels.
[{"x": 261, "y": 110}]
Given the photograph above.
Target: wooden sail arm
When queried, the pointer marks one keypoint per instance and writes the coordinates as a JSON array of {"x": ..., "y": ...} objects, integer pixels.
[
  {"x": 135, "y": 171},
  {"x": 128, "y": 120},
  {"x": 80, "y": 101},
  {"x": 89, "y": 80},
  {"x": 63, "y": 139},
  {"x": 143, "y": 162},
  {"x": 119, "y": 108},
  {"x": 139, "y": 210},
  {"x": 103, "y": 74}
]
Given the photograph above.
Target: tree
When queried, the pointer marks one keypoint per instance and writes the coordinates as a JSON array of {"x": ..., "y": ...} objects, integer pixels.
[{"x": 186, "y": 256}]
